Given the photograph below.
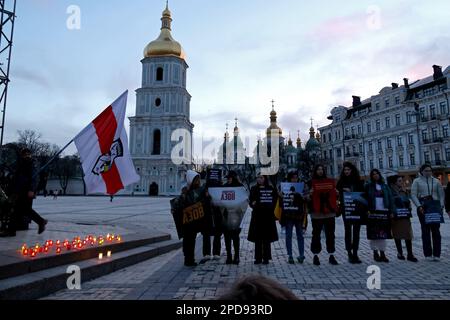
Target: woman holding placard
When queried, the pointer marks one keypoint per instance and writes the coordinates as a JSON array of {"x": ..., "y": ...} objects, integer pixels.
[
  {"x": 381, "y": 206},
  {"x": 263, "y": 229},
  {"x": 350, "y": 181},
  {"x": 428, "y": 195},
  {"x": 401, "y": 222}
]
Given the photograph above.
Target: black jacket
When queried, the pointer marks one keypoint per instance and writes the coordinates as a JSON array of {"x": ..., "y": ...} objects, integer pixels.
[{"x": 262, "y": 224}]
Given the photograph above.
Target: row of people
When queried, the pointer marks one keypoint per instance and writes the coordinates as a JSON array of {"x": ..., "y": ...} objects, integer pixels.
[{"x": 381, "y": 196}]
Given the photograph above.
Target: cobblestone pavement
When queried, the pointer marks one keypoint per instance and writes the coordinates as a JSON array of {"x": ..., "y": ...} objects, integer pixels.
[{"x": 165, "y": 277}]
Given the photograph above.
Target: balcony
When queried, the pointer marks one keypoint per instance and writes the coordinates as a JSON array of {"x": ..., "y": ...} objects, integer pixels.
[
  {"x": 433, "y": 140},
  {"x": 353, "y": 137},
  {"x": 430, "y": 118},
  {"x": 352, "y": 155}
]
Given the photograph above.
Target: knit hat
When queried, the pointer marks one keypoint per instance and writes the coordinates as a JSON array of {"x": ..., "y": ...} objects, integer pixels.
[{"x": 190, "y": 176}]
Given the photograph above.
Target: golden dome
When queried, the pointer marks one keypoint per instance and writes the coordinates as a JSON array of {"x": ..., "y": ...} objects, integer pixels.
[
  {"x": 273, "y": 124},
  {"x": 165, "y": 44}
]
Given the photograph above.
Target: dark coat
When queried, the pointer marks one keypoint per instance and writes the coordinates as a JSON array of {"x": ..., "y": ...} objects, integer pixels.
[
  {"x": 262, "y": 224},
  {"x": 369, "y": 190},
  {"x": 342, "y": 184}
]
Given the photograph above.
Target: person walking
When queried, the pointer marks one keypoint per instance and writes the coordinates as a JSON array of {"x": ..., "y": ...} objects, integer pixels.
[
  {"x": 401, "y": 222},
  {"x": 379, "y": 198},
  {"x": 350, "y": 181},
  {"x": 263, "y": 229},
  {"x": 426, "y": 188},
  {"x": 23, "y": 190},
  {"x": 294, "y": 217},
  {"x": 321, "y": 221}
]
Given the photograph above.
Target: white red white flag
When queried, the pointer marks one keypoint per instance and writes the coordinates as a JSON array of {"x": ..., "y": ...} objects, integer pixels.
[{"x": 103, "y": 149}]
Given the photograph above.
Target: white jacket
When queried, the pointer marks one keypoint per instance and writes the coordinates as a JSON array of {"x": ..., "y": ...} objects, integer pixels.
[{"x": 423, "y": 187}]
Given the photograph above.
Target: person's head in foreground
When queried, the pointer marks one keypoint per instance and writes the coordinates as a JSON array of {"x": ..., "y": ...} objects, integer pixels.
[{"x": 258, "y": 288}]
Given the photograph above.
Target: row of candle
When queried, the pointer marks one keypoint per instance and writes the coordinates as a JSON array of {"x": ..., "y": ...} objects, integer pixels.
[{"x": 76, "y": 244}]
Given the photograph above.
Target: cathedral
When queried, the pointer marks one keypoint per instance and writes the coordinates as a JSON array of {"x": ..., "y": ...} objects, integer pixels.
[
  {"x": 162, "y": 106},
  {"x": 232, "y": 154}
]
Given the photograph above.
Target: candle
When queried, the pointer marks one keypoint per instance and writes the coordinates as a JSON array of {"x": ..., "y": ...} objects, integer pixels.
[
  {"x": 58, "y": 250},
  {"x": 100, "y": 256},
  {"x": 58, "y": 243},
  {"x": 45, "y": 249},
  {"x": 33, "y": 253},
  {"x": 109, "y": 254},
  {"x": 25, "y": 251}
]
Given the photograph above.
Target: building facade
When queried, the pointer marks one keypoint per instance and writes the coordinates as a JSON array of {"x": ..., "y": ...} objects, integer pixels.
[
  {"x": 162, "y": 106},
  {"x": 394, "y": 131}
]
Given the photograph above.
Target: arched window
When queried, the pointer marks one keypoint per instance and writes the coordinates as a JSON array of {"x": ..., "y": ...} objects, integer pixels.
[
  {"x": 156, "y": 142},
  {"x": 159, "y": 74},
  {"x": 157, "y": 102}
]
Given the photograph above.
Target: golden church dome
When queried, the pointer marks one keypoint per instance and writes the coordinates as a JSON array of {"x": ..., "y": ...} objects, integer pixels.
[{"x": 165, "y": 44}]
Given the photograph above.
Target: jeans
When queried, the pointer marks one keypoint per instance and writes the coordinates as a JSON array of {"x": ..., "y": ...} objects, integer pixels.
[
  {"x": 352, "y": 232},
  {"x": 429, "y": 232},
  {"x": 290, "y": 224},
  {"x": 329, "y": 224}
]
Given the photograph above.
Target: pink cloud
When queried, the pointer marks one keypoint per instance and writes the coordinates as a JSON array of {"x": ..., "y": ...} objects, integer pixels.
[{"x": 340, "y": 28}]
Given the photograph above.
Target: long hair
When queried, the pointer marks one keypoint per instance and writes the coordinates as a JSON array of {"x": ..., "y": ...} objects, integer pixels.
[
  {"x": 315, "y": 176},
  {"x": 354, "y": 176},
  {"x": 372, "y": 172},
  {"x": 258, "y": 288}
]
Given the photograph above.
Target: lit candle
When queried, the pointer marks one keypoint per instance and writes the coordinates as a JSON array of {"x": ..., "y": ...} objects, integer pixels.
[
  {"x": 100, "y": 256},
  {"x": 109, "y": 254},
  {"x": 45, "y": 249},
  {"x": 58, "y": 243},
  {"x": 33, "y": 253},
  {"x": 58, "y": 250},
  {"x": 25, "y": 251}
]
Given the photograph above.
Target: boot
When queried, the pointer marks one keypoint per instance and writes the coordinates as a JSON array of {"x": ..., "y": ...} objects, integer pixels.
[{"x": 376, "y": 256}]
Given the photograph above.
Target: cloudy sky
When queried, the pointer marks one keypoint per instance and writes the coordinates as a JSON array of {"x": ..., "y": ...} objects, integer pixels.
[{"x": 306, "y": 55}]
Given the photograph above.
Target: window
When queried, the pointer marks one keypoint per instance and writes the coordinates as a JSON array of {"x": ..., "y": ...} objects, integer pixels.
[
  {"x": 445, "y": 131},
  {"x": 400, "y": 141},
  {"x": 159, "y": 74},
  {"x": 371, "y": 164},
  {"x": 370, "y": 146},
  {"x": 353, "y": 131},
  {"x": 422, "y": 113},
  {"x": 369, "y": 127},
  {"x": 434, "y": 133},
  {"x": 428, "y": 92},
  {"x": 329, "y": 137},
  {"x": 388, "y": 122},
  {"x": 335, "y": 135},
  {"x": 359, "y": 129},
  {"x": 354, "y": 149},
  {"x": 339, "y": 153},
  {"x": 386, "y": 103},
  {"x": 361, "y": 166},
  {"x": 444, "y": 109},
  {"x": 447, "y": 154},
  {"x": 408, "y": 117},
  {"x": 378, "y": 125},
  {"x": 380, "y": 163},
  {"x": 347, "y": 132},
  {"x": 397, "y": 119},
  {"x": 401, "y": 161},
  {"x": 379, "y": 145},
  {"x": 397, "y": 100},
  {"x": 433, "y": 111},
  {"x": 324, "y": 138},
  {"x": 412, "y": 159},
  {"x": 424, "y": 135},
  {"x": 324, "y": 156},
  {"x": 389, "y": 143},
  {"x": 437, "y": 155},
  {"x": 377, "y": 106},
  {"x": 410, "y": 138},
  {"x": 158, "y": 102},
  {"x": 156, "y": 142},
  {"x": 427, "y": 156},
  {"x": 390, "y": 162},
  {"x": 331, "y": 154},
  {"x": 361, "y": 148}
]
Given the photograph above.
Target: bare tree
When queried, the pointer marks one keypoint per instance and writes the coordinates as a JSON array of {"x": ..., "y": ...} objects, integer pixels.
[{"x": 67, "y": 168}]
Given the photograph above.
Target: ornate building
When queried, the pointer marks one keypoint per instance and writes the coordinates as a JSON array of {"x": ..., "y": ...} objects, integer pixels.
[
  {"x": 290, "y": 157},
  {"x": 162, "y": 106},
  {"x": 395, "y": 131}
]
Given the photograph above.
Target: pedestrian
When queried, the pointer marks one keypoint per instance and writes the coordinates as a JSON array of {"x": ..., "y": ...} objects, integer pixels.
[
  {"x": 263, "y": 229},
  {"x": 55, "y": 194},
  {"x": 232, "y": 223},
  {"x": 380, "y": 202},
  {"x": 321, "y": 221},
  {"x": 401, "y": 223},
  {"x": 195, "y": 204},
  {"x": 111, "y": 198},
  {"x": 426, "y": 188},
  {"x": 24, "y": 185},
  {"x": 350, "y": 181},
  {"x": 293, "y": 216}
]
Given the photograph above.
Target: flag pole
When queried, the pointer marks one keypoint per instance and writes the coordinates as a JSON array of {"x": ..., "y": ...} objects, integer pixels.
[{"x": 52, "y": 159}]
